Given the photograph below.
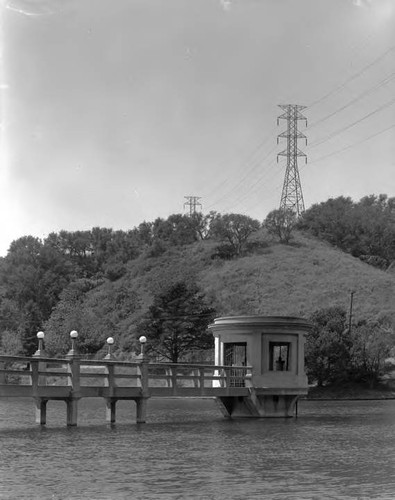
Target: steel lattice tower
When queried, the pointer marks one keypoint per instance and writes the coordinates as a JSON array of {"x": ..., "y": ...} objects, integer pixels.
[
  {"x": 292, "y": 196},
  {"x": 192, "y": 203}
]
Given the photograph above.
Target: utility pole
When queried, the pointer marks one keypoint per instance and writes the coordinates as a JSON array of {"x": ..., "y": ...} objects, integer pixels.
[
  {"x": 292, "y": 196},
  {"x": 350, "y": 315},
  {"x": 192, "y": 203}
]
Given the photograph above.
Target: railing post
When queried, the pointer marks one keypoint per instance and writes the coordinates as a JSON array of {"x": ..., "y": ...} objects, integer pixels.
[
  {"x": 248, "y": 378},
  {"x": 2, "y": 375},
  {"x": 173, "y": 372},
  {"x": 201, "y": 379},
  {"x": 227, "y": 378},
  {"x": 110, "y": 401},
  {"x": 34, "y": 376},
  {"x": 168, "y": 373},
  {"x": 73, "y": 369},
  {"x": 40, "y": 353}
]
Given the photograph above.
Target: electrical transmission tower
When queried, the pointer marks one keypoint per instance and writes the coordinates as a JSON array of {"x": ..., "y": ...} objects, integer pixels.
[
  {"x": 292, "y": 196},
  {"x": 192, "y": 203}
]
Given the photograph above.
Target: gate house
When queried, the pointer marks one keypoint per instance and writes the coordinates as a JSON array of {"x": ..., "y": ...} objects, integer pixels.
[{"x": 274, "y": 348}]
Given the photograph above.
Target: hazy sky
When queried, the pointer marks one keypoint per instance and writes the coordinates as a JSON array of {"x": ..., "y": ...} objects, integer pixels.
[{"x": 113, "y": 111}]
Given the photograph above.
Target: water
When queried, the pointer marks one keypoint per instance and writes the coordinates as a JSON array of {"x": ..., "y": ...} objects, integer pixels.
[{"x": 333, "y": 450}]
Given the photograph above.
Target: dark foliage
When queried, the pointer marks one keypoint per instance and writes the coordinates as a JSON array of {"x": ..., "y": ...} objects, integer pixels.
[
  {"x": 336, "y": 355},
  {"x": 225, "y": 252},
  {"x": 235, "y": 230},
  {"x": 281, "y": 223},
  {"x": 365, "y": 229},
  {"x": 328, "y": 347},
  {"x": 176, "y": 323}
]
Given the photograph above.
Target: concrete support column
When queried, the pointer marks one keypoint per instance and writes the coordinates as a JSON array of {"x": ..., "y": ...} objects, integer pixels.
[
  {"x": 111, "y": 410},
  {"x": 72, "y": 412},
  {"x": 141, "y": 410},
  {"x": 41, "y": 410}
]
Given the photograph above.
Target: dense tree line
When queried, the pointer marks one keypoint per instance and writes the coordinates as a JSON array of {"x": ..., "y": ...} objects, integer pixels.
[
  {"x": 365, "y": 229},
  {"x": 337, "y": 352},
  {"x": 49, "y": 281}
]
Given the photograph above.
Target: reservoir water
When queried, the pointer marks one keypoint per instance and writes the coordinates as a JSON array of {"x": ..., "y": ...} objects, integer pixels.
[{"x": 187, "y": 450}]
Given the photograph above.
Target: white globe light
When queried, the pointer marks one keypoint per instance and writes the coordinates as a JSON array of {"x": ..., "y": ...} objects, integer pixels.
[
  {"x": 74, "y": 334},
  {"x": 143, "y": 339},
  {"x": 40, "y": 335},
  {"x": 110, "y": 341}
]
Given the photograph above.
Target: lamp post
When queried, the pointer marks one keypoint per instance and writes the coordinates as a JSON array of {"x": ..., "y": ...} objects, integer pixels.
[
  {"x": 110, "y": 342},
  {"x": 40, "y": 350},
  {"x": 142, "y": 340},
  {"x": 73, "y": 336}
]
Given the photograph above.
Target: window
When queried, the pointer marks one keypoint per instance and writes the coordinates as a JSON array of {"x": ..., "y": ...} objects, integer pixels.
[{"x": 279, "y": 353}]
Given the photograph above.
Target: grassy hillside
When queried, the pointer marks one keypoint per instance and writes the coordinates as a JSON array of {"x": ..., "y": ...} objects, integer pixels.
[
  {"x": 278, "y": 279},
  {"x": 298, "y": 279}
]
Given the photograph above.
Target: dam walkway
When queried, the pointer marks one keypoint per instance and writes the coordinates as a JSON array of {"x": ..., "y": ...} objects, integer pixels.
[{"x": 71, "y": 378}]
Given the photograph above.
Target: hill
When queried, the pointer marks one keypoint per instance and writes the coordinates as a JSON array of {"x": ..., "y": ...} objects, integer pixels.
[
  {"x": 276, "y": 279},
  {"x": 298, "y": 279}
]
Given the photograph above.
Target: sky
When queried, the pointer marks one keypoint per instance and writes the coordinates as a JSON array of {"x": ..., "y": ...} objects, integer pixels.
[{"x": 111, "y": 113}]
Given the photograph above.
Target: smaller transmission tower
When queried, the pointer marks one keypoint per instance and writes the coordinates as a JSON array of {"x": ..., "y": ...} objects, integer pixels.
[
  {"x": 292, "y": 196},
  {"x": 192, "y": 203}
]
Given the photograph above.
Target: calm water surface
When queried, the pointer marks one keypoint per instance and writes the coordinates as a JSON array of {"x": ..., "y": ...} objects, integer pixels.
[{"x": 333, "y": 450}]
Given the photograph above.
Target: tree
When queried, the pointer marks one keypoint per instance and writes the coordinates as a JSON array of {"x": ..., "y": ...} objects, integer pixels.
[
  {"x": 10, "y": 343},
  {"x": 365, "y": 229},
  {"x": 281, "y": 223},
  {"x": 235, "y": 229},
  {"x": 176, "y": 322},
  {"x": 329, "y": 220},
  {"x": 33, "y": 275},
  {"x": 69, "y": 315},
  {"x": 328, "y": 347},
  {"x": 373, "y": 343},
  {"x": 202, "y": 224},
  {"x": 96, "y": 309}
]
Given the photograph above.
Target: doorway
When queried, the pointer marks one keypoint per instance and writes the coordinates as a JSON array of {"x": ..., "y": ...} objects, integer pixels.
[{"x": 235, "y": 355}]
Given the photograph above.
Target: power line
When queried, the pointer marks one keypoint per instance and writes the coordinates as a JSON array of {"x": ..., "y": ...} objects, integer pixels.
[
  {"x": 356, "y": 99},
  {"x": 353, "y": 77},
  {"x": 257, "y": 163},
  {"x": 337, "y": 132},
  {"x": 352, "y": 145}
]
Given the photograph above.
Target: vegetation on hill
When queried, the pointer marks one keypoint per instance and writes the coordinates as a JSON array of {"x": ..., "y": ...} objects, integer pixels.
[
  {"x": 114, "y": 283},
  {"x": 365, "y": 229},
  {"x": 338, "y": 352}
]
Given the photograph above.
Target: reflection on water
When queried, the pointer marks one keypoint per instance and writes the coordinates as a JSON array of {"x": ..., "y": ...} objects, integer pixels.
[{"x": 338, "y": 450}]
